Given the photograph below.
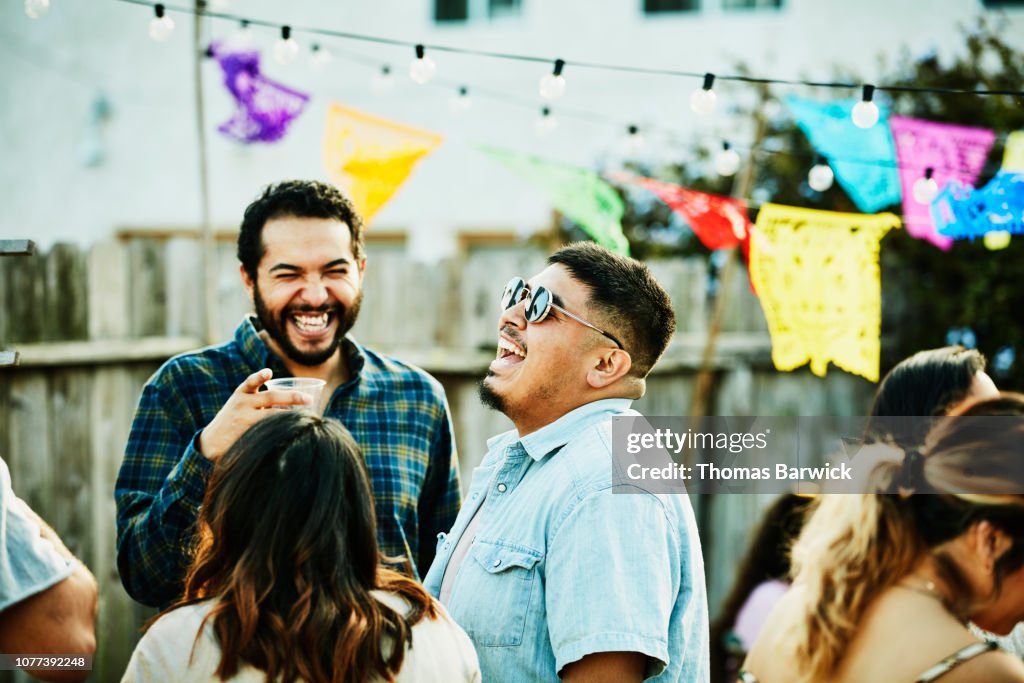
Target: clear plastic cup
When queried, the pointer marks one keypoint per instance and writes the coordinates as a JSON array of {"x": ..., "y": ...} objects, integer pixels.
[{"x": 307, "y": 385}]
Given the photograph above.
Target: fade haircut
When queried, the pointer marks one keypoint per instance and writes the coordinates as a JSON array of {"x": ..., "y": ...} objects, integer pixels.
[
  {"x": 299, "y": 199},
  {"x": 626, "y": 297}
]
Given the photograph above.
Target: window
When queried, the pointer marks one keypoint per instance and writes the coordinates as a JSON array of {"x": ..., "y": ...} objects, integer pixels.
[
  {"x": 660, "y": 6},
  {"x": 503, "y": 8},
  {"x": 451, "y": 10},
  {"x": 751, "y": 4},
  {"x": 465, "y": 10}
]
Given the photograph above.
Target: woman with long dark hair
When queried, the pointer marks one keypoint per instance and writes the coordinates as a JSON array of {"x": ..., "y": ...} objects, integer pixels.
[
  {"x": 287, "y": 584},
  {"x": 884, "y": 583}
]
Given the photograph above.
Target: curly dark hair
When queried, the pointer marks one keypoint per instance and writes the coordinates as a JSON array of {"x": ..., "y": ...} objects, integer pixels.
[{"x": 301, "y": 199}]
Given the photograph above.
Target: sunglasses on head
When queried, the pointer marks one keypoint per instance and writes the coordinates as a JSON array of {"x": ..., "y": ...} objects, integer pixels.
[{"x": 539, "y": 303}]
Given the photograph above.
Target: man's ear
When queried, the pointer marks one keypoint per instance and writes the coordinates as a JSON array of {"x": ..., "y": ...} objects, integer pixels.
[{"x": 610, "y": 365}]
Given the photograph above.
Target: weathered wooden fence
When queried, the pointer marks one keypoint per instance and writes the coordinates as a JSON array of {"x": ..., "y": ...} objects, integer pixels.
[{"x": 92, "y": 325}]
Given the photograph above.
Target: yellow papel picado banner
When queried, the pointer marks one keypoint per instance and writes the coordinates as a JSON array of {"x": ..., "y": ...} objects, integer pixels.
[
  {"x": 370, "y": 157},
  {"x": 817, "y": 275}
]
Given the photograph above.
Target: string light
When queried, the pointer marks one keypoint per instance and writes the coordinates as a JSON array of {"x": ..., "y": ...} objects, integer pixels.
[
  {"x": 820, "y": 177},
  {"x": 161, "y": 26},
  {"x": 423, "y": 67},
  {"x": 727, "y": 161},
  {"x": 461, "y": 101},
  {"x": 34, "y": 9},
  {"x": 760, "y": 80},
  {"x": 286, "y": 49},
  {"x": 925, "y": 188},
  {"x": 996, "y": 240},
  {"x": 383, "y": 82},
  {"x": 546, "y": 123},
  {"x": 633, "y": 142},
  {"x": 320, "y": 56},
  {"x": 865, "y": 112},
  {"x": 552, "y": 85},
  {"x": 702, "y": 101}
]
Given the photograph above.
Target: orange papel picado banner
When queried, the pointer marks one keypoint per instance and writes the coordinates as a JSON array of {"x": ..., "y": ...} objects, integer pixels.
[
  {"x": 370, "y": 157},
  {"x": 817, "y": 275}
]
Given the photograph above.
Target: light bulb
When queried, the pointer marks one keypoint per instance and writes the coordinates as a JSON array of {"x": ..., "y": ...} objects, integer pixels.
[
  {"x": 161, "y": 26},
  {"x": 633, "y": 142},
  {"x": 460, "y": 102},
  {"x": 996, "y": 240},
  {"x": 286, "y": 49},
  {"x": 552, "y": 85},
  {"x": 546, "y": 123},
  {"x": 423, "y": 68},
  {"x": 383, "y": 82},
  {"x": 35, "y": 9},
  {"x": 727, "y": 161},
  {"x": 320, "y": 57},
  {"x": 865, "y": 112},
  {"x": 820, "y": 177},
  {"x": 925, "y": 188},
  {"x": 702, "y": 101}
]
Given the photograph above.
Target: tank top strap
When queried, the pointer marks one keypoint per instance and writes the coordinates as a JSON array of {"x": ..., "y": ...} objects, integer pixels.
[{"x": 957, "y": 658}]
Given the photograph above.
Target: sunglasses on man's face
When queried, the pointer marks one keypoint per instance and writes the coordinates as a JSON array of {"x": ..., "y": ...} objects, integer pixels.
[{"x": 539, "y": 303}]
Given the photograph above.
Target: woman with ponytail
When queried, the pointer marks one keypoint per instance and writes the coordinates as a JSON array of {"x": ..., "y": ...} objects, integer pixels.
[
  {"x": 884, "y": 583},
  {"x": 287, "y": 585}
]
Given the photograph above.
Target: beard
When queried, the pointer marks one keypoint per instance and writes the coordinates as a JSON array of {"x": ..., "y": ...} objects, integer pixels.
[
  {"x": 277, "y": 327},
  {"x": 489, "y": 397}
]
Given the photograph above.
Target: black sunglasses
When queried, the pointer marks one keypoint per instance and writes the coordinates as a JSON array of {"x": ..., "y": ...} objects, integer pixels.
[{"x": 539, "y": 303}]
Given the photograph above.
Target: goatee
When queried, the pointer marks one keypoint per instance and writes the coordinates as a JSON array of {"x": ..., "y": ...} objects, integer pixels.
[
  {"x": 489, "y": 397},
  {"x": 277, "y": 327}
]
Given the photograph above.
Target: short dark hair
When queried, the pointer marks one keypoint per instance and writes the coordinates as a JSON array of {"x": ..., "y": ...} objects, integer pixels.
[
  {"x": 927, "y": 384},
  {"x": 630, "y": 302},
  {"x": 301, "y": 199}
]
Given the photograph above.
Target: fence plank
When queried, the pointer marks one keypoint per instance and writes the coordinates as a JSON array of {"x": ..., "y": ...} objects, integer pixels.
[
  {"x": 147, "y": 295},
  {"x": 66, "y": 306},
  {"x": 25, "y": 299},
  {"x": 108, "y": 291}
]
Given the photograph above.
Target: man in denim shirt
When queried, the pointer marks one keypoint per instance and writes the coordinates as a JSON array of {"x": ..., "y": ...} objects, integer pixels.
[{"x": 550, "y": 571}]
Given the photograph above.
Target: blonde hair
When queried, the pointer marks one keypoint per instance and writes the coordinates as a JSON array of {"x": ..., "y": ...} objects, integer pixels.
[{"x": 856, "y": 545}]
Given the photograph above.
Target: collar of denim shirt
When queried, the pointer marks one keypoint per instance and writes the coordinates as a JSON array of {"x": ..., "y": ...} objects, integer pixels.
[{"x": 563, "y": 430}]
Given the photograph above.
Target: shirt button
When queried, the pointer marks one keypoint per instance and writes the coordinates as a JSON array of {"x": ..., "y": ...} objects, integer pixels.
[
  {"x": 475, "y": 496},
  {"x": 496, "y": 563},
  {"x": 501, "y": 489}
]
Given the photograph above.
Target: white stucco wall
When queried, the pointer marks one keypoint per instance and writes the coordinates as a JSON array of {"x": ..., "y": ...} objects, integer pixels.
[{"x": 52, "y": 69}]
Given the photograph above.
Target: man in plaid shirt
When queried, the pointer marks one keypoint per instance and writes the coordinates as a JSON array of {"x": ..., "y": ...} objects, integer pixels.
[{"x": 302, "y": 262}]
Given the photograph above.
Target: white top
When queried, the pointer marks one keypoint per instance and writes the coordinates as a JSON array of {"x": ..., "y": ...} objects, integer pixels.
[{"x": 441, "y": 652}]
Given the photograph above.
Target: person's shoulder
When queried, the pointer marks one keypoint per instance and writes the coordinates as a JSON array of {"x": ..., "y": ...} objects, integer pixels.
[
  {"x": 184, "y": 620},
  {"x": 394, "y": 371},
  {"x": 208, "y": 362},
  {"x": 995, "y": 666}
]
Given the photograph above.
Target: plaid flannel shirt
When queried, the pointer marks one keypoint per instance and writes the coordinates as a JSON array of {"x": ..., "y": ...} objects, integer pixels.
[{"x": 397, "y": 413}]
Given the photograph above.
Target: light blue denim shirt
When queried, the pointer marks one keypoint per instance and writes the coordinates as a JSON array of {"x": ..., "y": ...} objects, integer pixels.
[{"x": 563, "y": 566}]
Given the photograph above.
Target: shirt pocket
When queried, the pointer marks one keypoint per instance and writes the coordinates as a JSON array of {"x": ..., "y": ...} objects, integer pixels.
[{"x": 499, "y": 589}]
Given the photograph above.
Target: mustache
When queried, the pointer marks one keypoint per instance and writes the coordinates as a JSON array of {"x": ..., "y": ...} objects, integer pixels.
[
  {"x": 514, "y": 335},
  {"x": 306, "y": 308}
]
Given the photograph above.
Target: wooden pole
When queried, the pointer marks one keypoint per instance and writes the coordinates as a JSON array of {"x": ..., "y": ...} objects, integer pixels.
[
  {"x": 208, "y": 241},
  {"x": 741, "y": 189}
]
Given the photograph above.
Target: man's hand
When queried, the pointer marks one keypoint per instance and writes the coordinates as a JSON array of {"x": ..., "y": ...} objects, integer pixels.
[{"x": 247, "y": 406}]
